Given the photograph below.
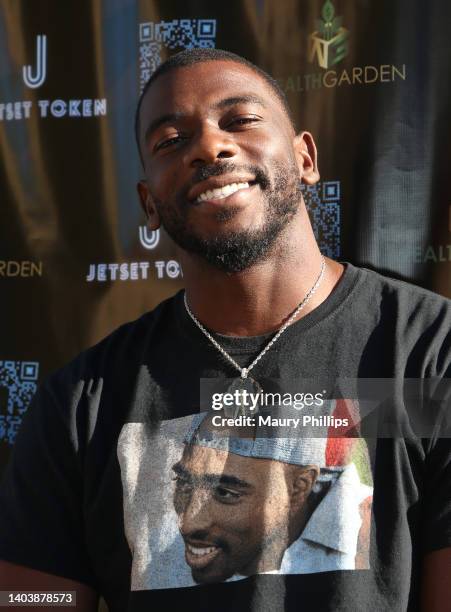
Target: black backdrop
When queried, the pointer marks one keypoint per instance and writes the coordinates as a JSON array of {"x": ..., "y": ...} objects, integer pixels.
[{"x": 369, "y": 79}]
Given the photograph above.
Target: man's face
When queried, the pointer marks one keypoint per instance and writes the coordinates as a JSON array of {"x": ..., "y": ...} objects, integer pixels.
[
  {"x": 234, "y": 512},
  {"x": 211, "y": 125}
]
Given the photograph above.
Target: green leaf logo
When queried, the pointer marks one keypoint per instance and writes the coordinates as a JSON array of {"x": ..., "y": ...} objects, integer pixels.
[
  {"x": 329, "y": 41},
  {"x": 328, "y": 11}
]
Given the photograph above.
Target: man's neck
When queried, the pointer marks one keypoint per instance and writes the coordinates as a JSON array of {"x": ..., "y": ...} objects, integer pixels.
[{"x": 259, "y": 300}]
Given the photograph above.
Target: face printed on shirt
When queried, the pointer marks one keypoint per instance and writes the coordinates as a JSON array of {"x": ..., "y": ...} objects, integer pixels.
[{"x": 237, "y": 515}]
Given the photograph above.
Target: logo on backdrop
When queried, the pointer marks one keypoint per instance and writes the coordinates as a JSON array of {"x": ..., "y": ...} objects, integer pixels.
[
  {"x": 329, "y": 43},
  {"x": 34, "y": 77},
  {"x": 328, "y": 46},
  {"x": 176, "y": 34},
  {"x": 18, "y": 383},
  {"x": 133, "y": 271},
  {"x": 149, "y": 239},
  {"x": 23, "y": 269}
]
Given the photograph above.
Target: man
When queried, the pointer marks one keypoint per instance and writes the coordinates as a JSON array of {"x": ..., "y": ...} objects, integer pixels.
[
  {"x": 223, "y": 167},
  {"x": 275, "y": 526}
]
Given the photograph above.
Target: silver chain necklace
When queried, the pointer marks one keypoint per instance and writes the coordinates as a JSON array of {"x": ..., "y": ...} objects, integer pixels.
[{"x": 245, "y": 371}]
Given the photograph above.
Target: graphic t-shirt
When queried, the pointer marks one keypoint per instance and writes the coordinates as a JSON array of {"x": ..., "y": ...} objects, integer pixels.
[{"x": 122, "y": 479}]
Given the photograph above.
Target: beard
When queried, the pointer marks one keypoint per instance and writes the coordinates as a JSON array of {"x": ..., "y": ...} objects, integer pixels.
[{"x": 235, "y": 251}]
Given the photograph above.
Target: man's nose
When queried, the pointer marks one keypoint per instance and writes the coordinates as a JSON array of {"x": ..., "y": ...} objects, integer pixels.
[
  {"x": 196, "y": 514},
  {"x": 209, "y": 145}
]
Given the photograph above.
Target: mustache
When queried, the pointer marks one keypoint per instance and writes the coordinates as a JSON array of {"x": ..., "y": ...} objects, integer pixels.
[{"x": 205, "y": 172}]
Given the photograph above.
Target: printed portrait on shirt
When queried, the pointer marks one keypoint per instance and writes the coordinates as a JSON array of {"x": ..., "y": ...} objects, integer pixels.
[{"x": 206, "y": 504}]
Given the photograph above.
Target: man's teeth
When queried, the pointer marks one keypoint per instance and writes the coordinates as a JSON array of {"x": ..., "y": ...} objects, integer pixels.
[
  {"x": 204, "y": 550},
  {"x": 222, "y": 192}
]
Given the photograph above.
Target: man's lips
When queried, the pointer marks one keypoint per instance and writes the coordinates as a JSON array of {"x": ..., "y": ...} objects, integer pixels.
[
  {"x": 198, "y": 556},
  {"x": 217, "y": 187},
  {"x": 222, "y": 193}
]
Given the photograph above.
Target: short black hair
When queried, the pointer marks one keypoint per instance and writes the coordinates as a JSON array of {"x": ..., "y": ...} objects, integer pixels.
[{"x": 188, "y": 57}]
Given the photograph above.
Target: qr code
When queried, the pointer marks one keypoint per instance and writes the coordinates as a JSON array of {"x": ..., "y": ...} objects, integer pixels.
[
  {"x": 323, "y": 204},
  {"x": 18, "y": 383},
  {"x": 177, "y": 34}
]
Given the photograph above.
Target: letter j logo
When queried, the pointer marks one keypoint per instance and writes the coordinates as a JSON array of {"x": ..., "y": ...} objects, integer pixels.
[{"x": 35, "y": 80}]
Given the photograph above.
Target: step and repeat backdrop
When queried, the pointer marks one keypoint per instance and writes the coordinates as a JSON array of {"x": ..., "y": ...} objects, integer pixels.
[{"x": 370, "y": 79}]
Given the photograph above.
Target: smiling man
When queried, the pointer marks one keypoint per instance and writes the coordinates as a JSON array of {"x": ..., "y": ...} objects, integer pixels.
[
  {"x": 243, "y": 502},
  {"x": 237, "y": 513},
  {"x": 253, "y": 537},
  {"x": 223, "y": 165}
]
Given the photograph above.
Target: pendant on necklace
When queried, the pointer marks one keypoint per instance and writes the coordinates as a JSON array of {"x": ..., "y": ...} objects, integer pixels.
[{"x": 241, "y": 389}]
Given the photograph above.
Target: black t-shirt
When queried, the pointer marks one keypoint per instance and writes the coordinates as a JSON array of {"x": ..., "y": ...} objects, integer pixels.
[{"x": 113, "y": 483}]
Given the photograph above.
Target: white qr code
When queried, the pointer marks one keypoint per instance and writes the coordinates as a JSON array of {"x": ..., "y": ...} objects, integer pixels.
[
  {"x": 177, "y": 34},
  {"x": 18, "y": 383},
  {"x": 323, "y": 204}
]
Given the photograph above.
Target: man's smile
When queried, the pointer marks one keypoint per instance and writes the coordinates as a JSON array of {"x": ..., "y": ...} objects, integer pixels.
[
  {"x": 221, "y": 192},
  {"x": 200, "y": 556},
  {"x": 219, "y": 187},
  {"x": 229, "y": 198}
]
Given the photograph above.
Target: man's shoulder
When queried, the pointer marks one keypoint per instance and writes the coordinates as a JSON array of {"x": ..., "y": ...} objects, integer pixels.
[
  {"x": 402, "y": 298},
  {"x": 407, "y": 324}
]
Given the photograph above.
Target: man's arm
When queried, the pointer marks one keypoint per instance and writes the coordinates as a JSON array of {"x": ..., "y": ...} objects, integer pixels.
[
  {"x": 41, "y": 517},
  {"x": 436, "y": 581},
  {"x": 17, "y": 577}
]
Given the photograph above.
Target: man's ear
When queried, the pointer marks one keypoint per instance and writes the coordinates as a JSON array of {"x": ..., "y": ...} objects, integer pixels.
[
  {"x": 148, "y": 206},
  {"x": 306, "y": 156},
  {"x": 302, "y": 484}
]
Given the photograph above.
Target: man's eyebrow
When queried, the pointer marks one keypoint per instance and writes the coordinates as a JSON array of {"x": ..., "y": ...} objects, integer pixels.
[
  {"x": 213, "y": 480},
  {"x": 241, "y": 99},
  {"x": 155, "y": 123},
  {"x": 226, "y": 480}
]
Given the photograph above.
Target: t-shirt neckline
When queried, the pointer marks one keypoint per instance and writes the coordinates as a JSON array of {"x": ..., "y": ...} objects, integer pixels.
[{"x": 248, "y": 344}]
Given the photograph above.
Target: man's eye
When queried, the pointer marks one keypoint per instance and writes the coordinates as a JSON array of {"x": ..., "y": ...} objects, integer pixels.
[
  {"x": 241, "y": 121},
  {"x": 227, "y": 495},
  {"x": 164, "y": 144}
]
